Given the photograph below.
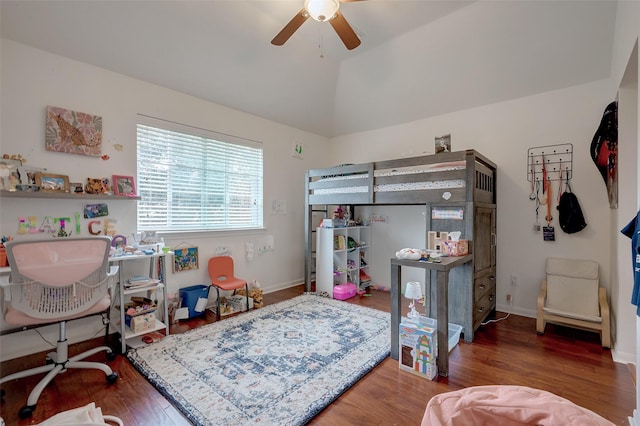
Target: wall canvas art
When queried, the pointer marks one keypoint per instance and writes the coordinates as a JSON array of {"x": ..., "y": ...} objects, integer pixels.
[
  {"x": 185, "y": 259},
  {"x": 73, "y": 132}
]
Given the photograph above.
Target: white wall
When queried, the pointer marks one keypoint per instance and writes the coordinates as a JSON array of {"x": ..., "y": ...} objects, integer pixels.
[
  {"x": 624, "y": 71},
  {"x": 32, "y": 79},
  {"x": 503, "y": 132}
]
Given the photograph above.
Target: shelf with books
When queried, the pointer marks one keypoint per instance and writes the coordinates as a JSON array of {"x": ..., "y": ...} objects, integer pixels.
[{"x": 158, "y": 317}]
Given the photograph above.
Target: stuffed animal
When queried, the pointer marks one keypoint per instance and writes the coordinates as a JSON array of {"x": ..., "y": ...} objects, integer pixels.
[
  {"x": 409, "y": 253},
  {"x": 255, "y": 292},
  {"x": 96, "y": 186}
]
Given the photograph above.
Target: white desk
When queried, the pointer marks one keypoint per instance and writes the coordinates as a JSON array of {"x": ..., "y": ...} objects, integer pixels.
[{"x": 157, "y": 269}]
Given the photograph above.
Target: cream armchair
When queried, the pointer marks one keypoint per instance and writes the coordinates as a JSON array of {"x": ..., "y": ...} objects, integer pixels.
[{"x": 570, "y": 295}]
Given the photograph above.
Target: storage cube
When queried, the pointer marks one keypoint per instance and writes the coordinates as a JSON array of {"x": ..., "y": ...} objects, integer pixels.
[
  {"x": 190, "y": 296},
  {"x": 142, "y": 322},
  {"x": 454, "y": 329}
]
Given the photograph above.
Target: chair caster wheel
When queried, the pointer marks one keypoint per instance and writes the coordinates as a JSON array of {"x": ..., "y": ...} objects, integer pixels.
[
  {"x": 26, "y": 411},
  {"x": 112, "y": 378},
  {"x": 111, "y": 356}
]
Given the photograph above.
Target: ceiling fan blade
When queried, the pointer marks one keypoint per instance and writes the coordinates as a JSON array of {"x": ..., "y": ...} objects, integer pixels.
[
  {"x": 290, "y": 28},
  {"x": 345, "y": 32}
]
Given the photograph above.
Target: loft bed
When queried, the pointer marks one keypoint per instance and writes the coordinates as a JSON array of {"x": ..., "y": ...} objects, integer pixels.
[
  {"x": 458, "y": 190},
  {"x": 449, "y": 178},
  {"x": 465, "y": 175},
  {"x": 445, "y": 178}
]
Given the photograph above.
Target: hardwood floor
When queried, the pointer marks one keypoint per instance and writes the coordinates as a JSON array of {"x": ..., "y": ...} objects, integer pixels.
[{"x": 569, "y": 363}]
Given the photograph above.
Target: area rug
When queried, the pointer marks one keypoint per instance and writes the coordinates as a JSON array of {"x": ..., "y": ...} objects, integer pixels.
[{"x": 279, "y": 365}]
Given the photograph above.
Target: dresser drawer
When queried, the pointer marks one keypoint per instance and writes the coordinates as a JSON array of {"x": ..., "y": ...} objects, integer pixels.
[
  {"x": 484, "y": 282},
  {"x": 482, "y": 307}
]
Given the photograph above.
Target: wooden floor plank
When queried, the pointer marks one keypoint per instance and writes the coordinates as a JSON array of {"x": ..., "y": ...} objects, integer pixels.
[{"x": 569, "y": 363}]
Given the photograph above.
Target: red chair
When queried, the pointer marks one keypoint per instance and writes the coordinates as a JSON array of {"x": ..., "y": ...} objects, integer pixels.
[{"x": 222, "y": 278}]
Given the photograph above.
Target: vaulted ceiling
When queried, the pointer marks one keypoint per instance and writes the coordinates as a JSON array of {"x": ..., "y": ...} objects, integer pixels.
[{"x": 418, "y": 58}]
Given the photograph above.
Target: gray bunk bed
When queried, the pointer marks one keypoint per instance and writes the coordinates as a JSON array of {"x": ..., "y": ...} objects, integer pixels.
[{"x": 458, "y": 190}]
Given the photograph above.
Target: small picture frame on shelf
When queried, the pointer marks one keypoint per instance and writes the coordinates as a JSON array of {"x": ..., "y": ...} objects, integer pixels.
[
  {"x": 76, "y": 187},
  {"x": 52, "y": 183},
  {"x": 11, "y": 174},
  {"x": 124, "y": 185}
]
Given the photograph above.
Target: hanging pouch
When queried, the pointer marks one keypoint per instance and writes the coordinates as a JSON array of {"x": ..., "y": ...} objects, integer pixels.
[{"x": 570, "y": 214}]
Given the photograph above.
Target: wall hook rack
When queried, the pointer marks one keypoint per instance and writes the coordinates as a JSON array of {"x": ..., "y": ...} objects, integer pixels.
[{"x": 554, "y": 161}]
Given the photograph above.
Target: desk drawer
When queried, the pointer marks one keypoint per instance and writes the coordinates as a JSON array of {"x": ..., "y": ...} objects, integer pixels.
[
  {"x": 482, "y": 308},
  {"x": 484, "y": 283}
]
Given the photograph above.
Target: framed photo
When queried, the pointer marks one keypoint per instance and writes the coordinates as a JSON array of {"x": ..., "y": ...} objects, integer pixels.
[
  {"x": 124, "y": 185},
  {"x": 28, "y": 174},
  {"x": 52, "y": 183},
  {"x": 443, "y": 143},
  {"x": 11, "y": 174},
  {"x": 76, "y": 187}
]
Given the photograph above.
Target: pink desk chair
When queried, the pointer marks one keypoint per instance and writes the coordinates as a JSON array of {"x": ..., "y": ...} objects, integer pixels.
[{"x": 57, "y": 280}]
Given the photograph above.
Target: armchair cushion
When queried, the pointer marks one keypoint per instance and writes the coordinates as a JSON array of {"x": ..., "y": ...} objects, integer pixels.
[{"x": 572, "y": 288}]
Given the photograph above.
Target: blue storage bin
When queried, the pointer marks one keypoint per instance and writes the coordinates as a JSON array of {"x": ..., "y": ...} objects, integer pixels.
[{"x": 190, "y": 296}]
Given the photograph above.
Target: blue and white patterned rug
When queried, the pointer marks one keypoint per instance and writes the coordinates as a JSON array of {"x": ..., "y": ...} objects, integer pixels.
[{"x": 279, "y": 365}]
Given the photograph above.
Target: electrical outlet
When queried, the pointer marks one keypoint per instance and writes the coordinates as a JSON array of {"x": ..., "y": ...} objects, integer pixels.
[
  {"x": 514, "y": 280},
  {"x": 508, "y": 298}
]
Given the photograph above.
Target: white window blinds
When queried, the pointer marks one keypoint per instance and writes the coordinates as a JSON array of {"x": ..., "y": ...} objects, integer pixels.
[{"x": 192, "y": 179}]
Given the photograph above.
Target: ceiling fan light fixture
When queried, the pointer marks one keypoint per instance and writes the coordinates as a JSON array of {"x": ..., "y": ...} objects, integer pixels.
[{"x": 322, "y": 10}]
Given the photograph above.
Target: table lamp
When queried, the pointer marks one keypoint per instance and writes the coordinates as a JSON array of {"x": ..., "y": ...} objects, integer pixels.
[{"x": 413, "y": 291}]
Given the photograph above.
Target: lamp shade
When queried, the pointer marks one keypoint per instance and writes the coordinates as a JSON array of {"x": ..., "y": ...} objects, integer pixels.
[
  {"x": 322, "y": 10},
  {"x": 413, "y": 290}
]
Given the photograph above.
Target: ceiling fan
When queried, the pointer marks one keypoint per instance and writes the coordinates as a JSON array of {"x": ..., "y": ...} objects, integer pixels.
[{"x": 322, "y": 11}]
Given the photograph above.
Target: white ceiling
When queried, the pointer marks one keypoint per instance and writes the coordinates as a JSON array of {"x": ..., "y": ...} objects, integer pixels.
[{"x": 418, "y": 58}]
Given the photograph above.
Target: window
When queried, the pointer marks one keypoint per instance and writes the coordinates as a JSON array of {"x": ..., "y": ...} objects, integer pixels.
[{"x": 191, "y": 179}]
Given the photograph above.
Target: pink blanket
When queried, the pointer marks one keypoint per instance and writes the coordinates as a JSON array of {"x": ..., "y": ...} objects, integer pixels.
[{"x": 506, "y": 406}]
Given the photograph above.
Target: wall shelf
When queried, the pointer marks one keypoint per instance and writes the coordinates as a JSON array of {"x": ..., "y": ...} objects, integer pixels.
[{"x": 66, "y": 195}]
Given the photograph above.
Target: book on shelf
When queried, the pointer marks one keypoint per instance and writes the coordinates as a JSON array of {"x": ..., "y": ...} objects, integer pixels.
[{"x": 141, "y": 281}]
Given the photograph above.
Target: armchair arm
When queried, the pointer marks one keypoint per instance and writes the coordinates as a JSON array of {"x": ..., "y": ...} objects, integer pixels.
[
  {"x": 604, "y": 305},
  {"x": 606, "y": 319},
  {"x": 542, "y": 296}
]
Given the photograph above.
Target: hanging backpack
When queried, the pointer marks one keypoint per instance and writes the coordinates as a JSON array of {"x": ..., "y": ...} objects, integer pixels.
[{"x": 570, "y": 214}]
